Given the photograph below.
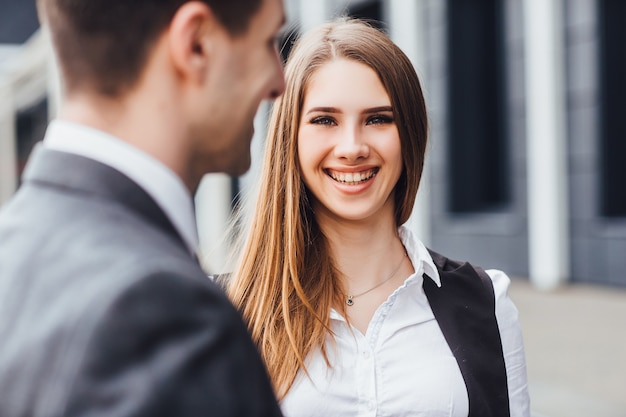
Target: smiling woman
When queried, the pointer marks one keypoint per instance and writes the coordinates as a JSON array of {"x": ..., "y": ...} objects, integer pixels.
[
  {"x": 348, "y": 144},
  {"x": 351, "y": 312}
]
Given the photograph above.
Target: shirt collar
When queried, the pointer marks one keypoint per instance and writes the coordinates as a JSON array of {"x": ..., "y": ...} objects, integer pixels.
[
  {"x": 161, "y": 183},
  {"x": 419, "y": 255}
]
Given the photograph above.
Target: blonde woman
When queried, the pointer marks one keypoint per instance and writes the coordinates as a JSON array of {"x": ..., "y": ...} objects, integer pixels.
[{"x": 352, "y": 314}]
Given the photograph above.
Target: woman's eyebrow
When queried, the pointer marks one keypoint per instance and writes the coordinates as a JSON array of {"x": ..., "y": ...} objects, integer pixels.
[
  {"x": 323, "y": 110},
  {"x": 380, "y": 109}
]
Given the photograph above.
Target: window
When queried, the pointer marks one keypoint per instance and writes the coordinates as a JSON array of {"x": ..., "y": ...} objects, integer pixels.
[
  {"x": 478, "y": 177},
  {"x": 370, "y": 11},
  {"x": 612, "y": 15}
]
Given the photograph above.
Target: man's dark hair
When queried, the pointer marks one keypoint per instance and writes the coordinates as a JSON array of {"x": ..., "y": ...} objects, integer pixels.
[{"x": 105, "y": 43}]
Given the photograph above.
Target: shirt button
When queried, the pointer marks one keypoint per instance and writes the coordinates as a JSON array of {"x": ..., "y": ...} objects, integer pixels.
[{"x": 366, "y": 354}]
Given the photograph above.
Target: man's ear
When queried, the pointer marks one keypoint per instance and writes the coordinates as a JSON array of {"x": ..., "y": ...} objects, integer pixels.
[{"x": 191, "y": 33}]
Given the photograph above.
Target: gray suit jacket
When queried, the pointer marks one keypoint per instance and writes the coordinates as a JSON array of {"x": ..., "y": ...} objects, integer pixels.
[{"x": 103, "y": 311}]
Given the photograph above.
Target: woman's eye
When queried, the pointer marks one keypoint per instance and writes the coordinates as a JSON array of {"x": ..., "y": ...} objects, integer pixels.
[
  {"x": 323, "y": 120},
  {"x": 379, "y": 119}
]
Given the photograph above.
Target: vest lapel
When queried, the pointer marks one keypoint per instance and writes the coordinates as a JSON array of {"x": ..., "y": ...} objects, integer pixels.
[{"x": 464, "y": 307}]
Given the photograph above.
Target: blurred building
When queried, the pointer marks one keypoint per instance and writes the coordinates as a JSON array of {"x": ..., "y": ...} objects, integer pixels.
[
  {"x": 24, "y": 74},
  {"x": 527, "y": 125},
  {"x": 526, "y": 105}
]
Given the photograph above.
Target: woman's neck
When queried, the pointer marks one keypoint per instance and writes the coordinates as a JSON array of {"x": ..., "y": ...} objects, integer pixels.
[{"x": 364, "y": 252}]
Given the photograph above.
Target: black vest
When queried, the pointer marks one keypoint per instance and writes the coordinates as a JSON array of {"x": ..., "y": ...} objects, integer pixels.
[{"x": 464, "y": 307}]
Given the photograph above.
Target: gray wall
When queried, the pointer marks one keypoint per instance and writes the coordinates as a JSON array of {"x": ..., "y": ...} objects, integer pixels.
[
  {"x": 493, "y": 240},
  {"x": 500, "y": 239},
  {"x": 598, "y": 244}
]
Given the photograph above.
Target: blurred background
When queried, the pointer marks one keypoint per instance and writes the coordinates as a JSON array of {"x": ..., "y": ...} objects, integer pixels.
[{"x": 526, "y": 166}]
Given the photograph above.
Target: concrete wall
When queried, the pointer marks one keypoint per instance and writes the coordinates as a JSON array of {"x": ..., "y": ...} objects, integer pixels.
[
  {"x": 598, "y": 244},
  {"x": 493, "y": 240}
]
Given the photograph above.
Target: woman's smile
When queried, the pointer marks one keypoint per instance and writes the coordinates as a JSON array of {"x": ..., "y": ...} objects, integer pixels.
[{"x": 352, "y": 178}]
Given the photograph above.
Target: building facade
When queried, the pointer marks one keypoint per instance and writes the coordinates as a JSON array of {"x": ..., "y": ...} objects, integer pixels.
[
  {"x": 525, "y": 168},
  {"x": 526, "y": 156}
]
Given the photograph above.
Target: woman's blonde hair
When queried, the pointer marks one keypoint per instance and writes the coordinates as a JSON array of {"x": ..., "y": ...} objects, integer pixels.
[{"x": 285, "y": 281}]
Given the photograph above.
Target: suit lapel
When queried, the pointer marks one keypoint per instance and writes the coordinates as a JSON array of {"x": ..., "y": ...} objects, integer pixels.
[{"x": 95, "y": 180}]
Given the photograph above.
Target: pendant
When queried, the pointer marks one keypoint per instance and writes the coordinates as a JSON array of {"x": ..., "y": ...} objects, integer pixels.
[{"x": 349, "y": 301}]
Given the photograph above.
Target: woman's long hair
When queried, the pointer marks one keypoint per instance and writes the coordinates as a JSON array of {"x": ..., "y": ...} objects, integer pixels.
[{"x": 284, "y": 283}]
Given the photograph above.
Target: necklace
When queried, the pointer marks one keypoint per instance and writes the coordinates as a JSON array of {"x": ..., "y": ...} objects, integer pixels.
[{"x": 350, "y": 298}]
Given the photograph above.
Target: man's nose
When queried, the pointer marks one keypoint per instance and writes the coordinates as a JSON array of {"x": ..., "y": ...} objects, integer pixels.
[{"x": 278, "y": 83}]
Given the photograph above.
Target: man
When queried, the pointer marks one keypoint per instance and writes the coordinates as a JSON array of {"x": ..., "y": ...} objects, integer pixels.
[{"x": 104, "y": 310}]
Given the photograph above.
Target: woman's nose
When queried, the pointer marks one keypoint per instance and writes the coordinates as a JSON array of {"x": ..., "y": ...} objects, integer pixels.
[{"x": 351, "y": 144}]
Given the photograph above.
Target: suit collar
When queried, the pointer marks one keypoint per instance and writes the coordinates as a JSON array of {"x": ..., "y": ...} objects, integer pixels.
[
  {"x": 93, "y": 179},
  {"x": 157, "y": 179}
]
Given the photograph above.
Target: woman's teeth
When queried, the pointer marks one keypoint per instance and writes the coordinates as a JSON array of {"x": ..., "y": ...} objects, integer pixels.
[{"x": 352, "y": 178}]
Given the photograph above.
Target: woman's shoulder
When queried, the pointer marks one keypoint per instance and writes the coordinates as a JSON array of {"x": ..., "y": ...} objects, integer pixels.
[
  {"x": 492, "y": 279},
  {"x": 501, "y": 282}
]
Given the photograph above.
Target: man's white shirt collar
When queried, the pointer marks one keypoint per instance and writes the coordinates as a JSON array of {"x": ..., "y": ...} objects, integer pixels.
[{"x": 161, "y": 183}]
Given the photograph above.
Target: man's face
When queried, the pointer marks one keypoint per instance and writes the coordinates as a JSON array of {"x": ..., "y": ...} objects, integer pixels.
[{"x": 246, "y": 70}]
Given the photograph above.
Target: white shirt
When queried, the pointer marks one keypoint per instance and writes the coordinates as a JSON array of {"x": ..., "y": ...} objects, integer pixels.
[
  {"x": 403, "y": 366},
  {"x": 160, "y": 182}
]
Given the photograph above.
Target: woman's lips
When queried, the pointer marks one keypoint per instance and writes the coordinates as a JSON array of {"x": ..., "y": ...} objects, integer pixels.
[{"x": 352, "y": 178}]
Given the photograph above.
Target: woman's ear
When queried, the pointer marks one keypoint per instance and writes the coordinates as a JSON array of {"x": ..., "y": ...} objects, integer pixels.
[{"x": 191, "y": 34}]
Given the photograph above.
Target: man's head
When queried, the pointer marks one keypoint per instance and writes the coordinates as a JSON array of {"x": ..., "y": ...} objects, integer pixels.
[
  {"x": 105, "y": 43},
  {"x": 181, "y": 80}
]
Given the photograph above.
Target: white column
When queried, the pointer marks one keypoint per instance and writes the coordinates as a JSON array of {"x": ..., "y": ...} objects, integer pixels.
[
  {"x": 406, "y": 29},
  {"x": 249, "y": 180},
  {"x": 546, "y": 149},
  {"x": 8, "y": 156},
  {"x": 212, "y": 213},
  {"x": 312, "y": 13}
]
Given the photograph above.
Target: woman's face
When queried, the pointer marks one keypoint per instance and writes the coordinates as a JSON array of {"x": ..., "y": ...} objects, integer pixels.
[{"x": 348, "y": 143}]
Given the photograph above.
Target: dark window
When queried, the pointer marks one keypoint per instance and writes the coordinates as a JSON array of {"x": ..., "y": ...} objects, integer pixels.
[
  {"x": 612, "y": 15},
  {"x": 370, "y": 11},
  {"x": 235, "y": 190},
  {"x": 477, "y": 154},
  {"x": 286, "y": 42}
]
